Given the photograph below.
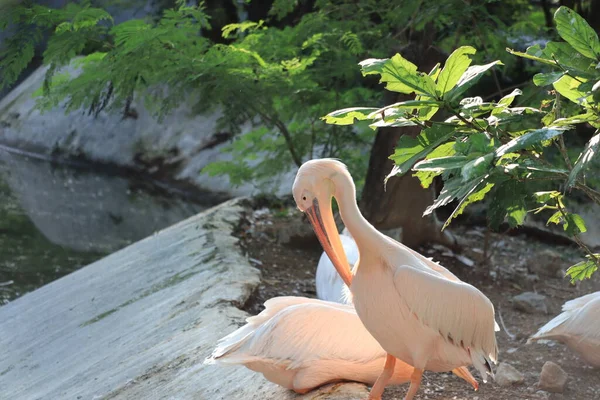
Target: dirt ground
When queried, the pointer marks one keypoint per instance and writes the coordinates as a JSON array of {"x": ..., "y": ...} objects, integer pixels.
[{"x": 500, "y": 265}]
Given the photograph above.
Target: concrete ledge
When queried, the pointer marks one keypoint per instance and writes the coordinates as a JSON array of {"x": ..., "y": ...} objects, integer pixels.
[{"x": 138, "y": 323}]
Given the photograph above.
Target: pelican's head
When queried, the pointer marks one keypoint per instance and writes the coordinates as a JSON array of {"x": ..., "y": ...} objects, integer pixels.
[{"x": 314, "y": 186}]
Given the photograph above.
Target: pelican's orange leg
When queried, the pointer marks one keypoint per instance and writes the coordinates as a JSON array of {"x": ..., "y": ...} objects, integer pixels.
[
  {"x": 463, "y": 372},
  {"x": 384, "y": 378},
  {"x": 415, "y": 382}
]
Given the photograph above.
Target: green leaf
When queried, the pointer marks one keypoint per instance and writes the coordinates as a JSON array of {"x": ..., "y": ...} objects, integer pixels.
[
  {"x": 584, "y": 269},
  {"x": 441, "y": 164},
  {"x": 469, "y": 78},
  {"x": 477, "y": 167},
  {"x": 471, "y": 198},
  {"x": 347, "y": 116},
  {"x": 453, "y": 188},
  {"x": 545, "y": 79},
  {"x": 569, "y": 87},
  {"x": 560, "y": 52},
  {"x": 506, "y": 101},
  {"x": 577, "y": 32},
  {"x": 589, "y": 117},
  {"x": 508, "y": 202},
  {"x": 400, "y": 75},
  {"x": 588, "y": 153},
  {"x": 529, "y": 139},
  {"x": 574, "y": 224},
  {"x": 409, "y": 150},
  {"x": 455, "y": 66},
  {"x": 444, "y": 150}
]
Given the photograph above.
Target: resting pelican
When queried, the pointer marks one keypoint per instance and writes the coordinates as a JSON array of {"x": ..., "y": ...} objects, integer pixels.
[
  {"x": 417, "y": 310},
  {"x": 578, "y": 326},
  {"x": 302, "y": 343},
  {"x": 330, "y": 285}
]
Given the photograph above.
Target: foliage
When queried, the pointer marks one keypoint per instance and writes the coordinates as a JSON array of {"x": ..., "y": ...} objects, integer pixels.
[
  {"x": 263, "y": 74},
  {"x": 493, "y": 149}
]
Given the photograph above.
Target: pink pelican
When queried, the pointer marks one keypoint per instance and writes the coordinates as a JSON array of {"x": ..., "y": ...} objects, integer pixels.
[
  {"x": 302, "y": 343},
  {"x": 578, "y": 326},
  {"x": 418, "y": 311}
]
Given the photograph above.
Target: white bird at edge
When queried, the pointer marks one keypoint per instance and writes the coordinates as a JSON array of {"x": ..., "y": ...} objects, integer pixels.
[
  {"x": 578, "y": 327},
  {"x": 418, "y": 311},
  {"x": 301, "y": 344},
  {"x": 330, "y": 286}
]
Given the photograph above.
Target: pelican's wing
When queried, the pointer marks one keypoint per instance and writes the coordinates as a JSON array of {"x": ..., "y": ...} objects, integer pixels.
[
  {"x": 585, "y": 323},
  {"x": 457, "y": 310},
  {"x": 232, "y": 341},
  {"x": 302, "y": 333},
  {"x": 580, "y": 317},
  {"x": 580, "y": 301}
]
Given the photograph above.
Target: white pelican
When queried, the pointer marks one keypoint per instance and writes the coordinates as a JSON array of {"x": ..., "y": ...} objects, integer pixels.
[
  {"x": 578, "y": 326},
  {"x": 417, "y": 310},
  {"x": 302, "y": 343},
  {"x": 330, "y": 285}
]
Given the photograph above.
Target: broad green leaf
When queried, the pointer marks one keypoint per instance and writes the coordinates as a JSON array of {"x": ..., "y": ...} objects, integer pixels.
[
  {"x": 588, "y": 153},
  {"x": 469, "y": 78},
  {"x": 373, "y": 66},
  {"x": 409, "y": 106},
  {"x": 441, "y": 164},
  {"x": 529, "y": 139},
  {"x": 391, "y": 123},
  {"x": 477, "y": 167},
  {"x": 577, "y": 32},
  {"x": 478, "y": 142},
  {"x": 545, "y": 79},
  {"x": 546, "y": 196},
  {"x": 455, "y": 66},
  {"x": 569, "y": 87},
  {"x": 477, "y": 194},
  {"x": 574, "y": 224},
  {"x": 576, "y": 119},
  {"x": 409, "y": 150},
  {"x": 444, "y": 150},
  {"x": 584, "y": 269},
  {"x": 506, "y": 101},
  {"x": 508, "y": 202},
  {"x": 453, "y": 188},
  {"x": 400, "y": 75},
  {"x": 560, "y": 52},
  {"x": 347, "y": 116},
  {"x": 435, "y": 71}
]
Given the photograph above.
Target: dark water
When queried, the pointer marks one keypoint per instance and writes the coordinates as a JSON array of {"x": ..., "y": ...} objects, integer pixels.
[{"x": 55, "y": 219}]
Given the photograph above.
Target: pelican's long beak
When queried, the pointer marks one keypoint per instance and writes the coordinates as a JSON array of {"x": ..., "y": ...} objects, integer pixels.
[{"x": 321, "y": 219}]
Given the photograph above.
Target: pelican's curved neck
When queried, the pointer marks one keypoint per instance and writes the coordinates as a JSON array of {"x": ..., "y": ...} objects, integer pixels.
[{"x": 361, "y": 230}]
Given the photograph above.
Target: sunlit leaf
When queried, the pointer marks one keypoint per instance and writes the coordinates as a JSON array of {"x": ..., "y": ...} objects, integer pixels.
[
  {"x": 455, "y": 66},
  {"x": 545, "y": 79},
  {"x": 577, "y": 32},
  {"x": 584, "y": 269},
  {"x": 588, "y": 153},
  {"x": 529, "y": 139},
  {"x": 347, "y": 116},
  {"x": 469, "y": 78}
]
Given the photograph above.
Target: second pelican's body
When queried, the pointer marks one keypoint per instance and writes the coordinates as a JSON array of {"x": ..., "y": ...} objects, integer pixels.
[
  {"x": 418, "y": 311},
  {"x": 578, "y": 326},
  {"x": 302, "y": 343}
]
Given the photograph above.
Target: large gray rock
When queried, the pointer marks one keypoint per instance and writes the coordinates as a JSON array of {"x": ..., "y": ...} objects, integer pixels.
[
  {"x": 507, "y": 375},
  {"x": 553, "y": 378},
  {"x": 139, "y": 323},
  {"x": 183, "y": 140},
  {"x": 531, "y": 303}
]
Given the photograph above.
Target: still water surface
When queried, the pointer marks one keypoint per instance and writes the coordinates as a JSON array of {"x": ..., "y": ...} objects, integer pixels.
[{"x": 56, "y": 219}]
